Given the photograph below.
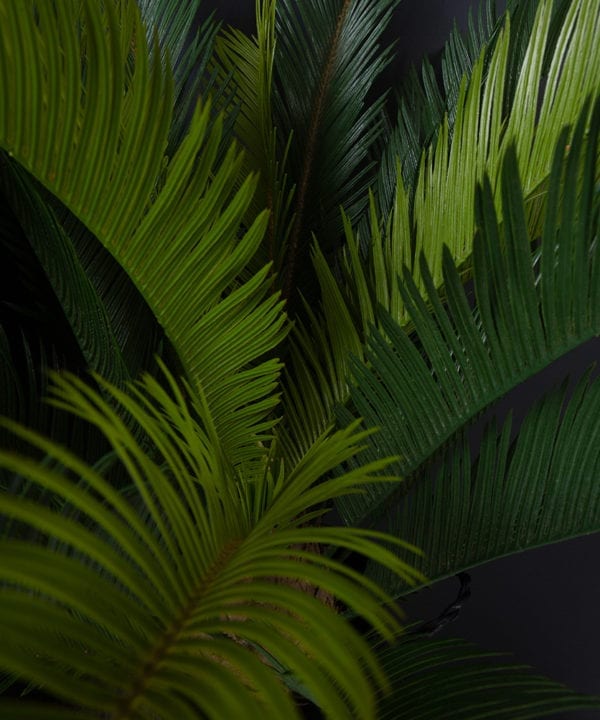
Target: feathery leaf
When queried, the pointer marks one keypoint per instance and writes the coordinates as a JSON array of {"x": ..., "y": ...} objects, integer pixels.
[
  {"x": 154, "y": 606},
  {"x": 420, "y": 391}
]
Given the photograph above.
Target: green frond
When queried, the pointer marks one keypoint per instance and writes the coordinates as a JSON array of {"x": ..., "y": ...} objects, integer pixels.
[
  {"x": 187, "y": 52},
  {"x": 82, "y": 305},
  {"x": 327, "y": 56},
  {"x": 448, "y": 679},
  {"x": 440, "y": 208},
  {"x": 423, "y": 100},
  {"x": 540, "y": 488},
  {"x": 493, "y": 112},
  {"x": 164, "y": 603},
  {"x": 449, "y": 174},
  {"x": 316, "y": 376},
  {"x": 173, "y": 227},
  {"x": 421, "y": 390},
  {"x": 422, "y": 103},
  {"x": 83, "y": 125},
  {"x": 248, "y": 63}
]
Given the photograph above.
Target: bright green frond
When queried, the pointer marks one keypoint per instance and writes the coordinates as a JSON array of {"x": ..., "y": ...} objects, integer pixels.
[
  {"x": 443, "y": 211},
  {"x": 422, "y": 103},
  {"x": 492, "y": 113},
  {"x": 174, "y": 227},
  {"x": 175, "y": 598}
]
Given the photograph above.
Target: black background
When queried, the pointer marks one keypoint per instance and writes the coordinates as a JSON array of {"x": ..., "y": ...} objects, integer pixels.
[{"x": 542, "y": 606}]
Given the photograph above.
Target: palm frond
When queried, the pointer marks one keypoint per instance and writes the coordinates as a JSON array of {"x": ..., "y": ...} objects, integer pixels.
[
  {"x": 316, "y": 375},
  {"x": 482, "y": 133},
  {"x": 76, "y": 294},
  {"x": 421, "y": 391},
  {"x": 249, "y": 63},
  {"x": 422, "y": 104},
  {"x": 99, "y": 148},
  {"x": 441, "y": 207},
  {"x": 541, "y": 488},
  {"x": 424, "y": 100},
  {"x": 448, "y": 679},
  {"x": 551, "y": 87},
  {"x": 327, "y": 57},
  {"x": 188, "y": 53},
  {"x": 165, "y": 605}
]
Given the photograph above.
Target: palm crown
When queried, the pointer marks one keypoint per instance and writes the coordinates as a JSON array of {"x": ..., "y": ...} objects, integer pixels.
[{"x": 288, "y": 298}]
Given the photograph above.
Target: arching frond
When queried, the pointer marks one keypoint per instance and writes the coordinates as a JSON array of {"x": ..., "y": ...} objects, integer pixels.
[
  {"x": 448, "y": 679},
  {"x": 98, "y": 146},
  {"x": 165, "y": 605},
  {"x": 421, "y": 391},
  {"x": 551, "y": 88},
  {"x": 541, "y": 488}
]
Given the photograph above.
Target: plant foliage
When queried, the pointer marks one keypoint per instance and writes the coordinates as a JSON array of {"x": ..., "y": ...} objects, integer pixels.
[
  {"x": 174, "y": 604},
  {"x": 168, "y": 544}
]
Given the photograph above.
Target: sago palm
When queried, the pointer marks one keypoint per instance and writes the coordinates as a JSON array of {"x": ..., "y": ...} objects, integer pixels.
[{"x": 252, "y": 312}]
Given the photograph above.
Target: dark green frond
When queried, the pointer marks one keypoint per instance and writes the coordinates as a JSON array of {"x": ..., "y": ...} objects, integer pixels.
[
  {"x": 83, "y": 308},
  {"x": 136, "y": 330},
  {"x": 326, "y": 59},
  {"x": 542, "y": 487},
  {"x": 188, "y": 53},
  {"x": 453, "y": 679}
]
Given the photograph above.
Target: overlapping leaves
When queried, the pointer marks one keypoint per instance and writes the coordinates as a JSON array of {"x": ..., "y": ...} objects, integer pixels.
[
  {"x": 422, "y": 390},
  {"x": 93, "y": 129},
  {"x": 492, "y": 108},
  {"x": 171, "y": 603},
  {"x": 507, "y": 496}
]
